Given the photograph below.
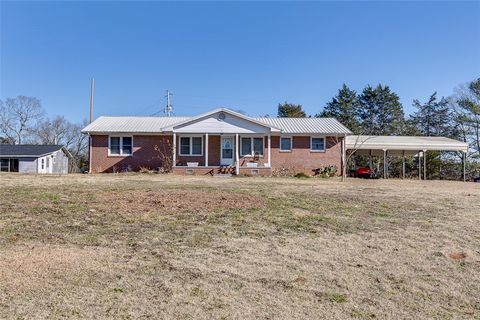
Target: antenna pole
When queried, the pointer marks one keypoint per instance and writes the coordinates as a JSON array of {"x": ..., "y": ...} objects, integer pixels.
[
  {"x": 168, "y": 109},
  {"x": 91, "y": 100}
]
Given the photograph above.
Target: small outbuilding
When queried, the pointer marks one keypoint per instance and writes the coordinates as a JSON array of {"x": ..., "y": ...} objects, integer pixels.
[{"x": 34, "y": 158}]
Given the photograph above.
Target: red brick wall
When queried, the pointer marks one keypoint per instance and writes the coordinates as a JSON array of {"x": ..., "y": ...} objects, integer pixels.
[
  {"x": 144, "y": 154},
  {"x": 300, "y": 159}
]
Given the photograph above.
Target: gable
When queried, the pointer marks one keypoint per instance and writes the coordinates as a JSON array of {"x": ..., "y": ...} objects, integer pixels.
[{"x": 221, "y": 122}]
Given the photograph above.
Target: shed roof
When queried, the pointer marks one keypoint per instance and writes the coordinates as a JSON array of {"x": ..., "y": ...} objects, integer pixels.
[
  {"x": 27, "y": 150},
  {"x": 417, "y": 143}
]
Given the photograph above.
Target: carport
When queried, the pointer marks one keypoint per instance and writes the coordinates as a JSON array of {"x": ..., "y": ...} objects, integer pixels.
[{"x": 403, "y": 146}]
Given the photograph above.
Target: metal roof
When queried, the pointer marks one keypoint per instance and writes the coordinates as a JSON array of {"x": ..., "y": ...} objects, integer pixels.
[
  {"x": 132, "y": 124},
  {"x": 404, "y": 143},
  {"x": 108, "y": 124},
  {"x": 27, "y": 150},
  {"x": 306, "y": 125}
]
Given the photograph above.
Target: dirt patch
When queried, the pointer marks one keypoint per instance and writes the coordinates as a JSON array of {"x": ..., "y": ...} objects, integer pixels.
[
  {"x": 37, "y": 268},
  {"x": 174, "y": 201}
]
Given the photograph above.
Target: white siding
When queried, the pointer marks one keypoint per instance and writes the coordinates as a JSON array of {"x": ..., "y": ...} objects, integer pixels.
[{"x": 27, "y": 165}]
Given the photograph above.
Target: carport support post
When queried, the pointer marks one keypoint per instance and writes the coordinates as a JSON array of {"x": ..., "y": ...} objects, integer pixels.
[
  {"x": 371, "y": 162},
  {"x": 403, "y": 164},
  {"x": 424, "y": 164},
  {"x": 464, "y": 165},
  {"x": 419, "y": 166},
  {"x": 385, "y": 165}
]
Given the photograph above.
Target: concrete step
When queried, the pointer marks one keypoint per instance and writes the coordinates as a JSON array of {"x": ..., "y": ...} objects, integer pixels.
[{"x": 222, "y": 175}]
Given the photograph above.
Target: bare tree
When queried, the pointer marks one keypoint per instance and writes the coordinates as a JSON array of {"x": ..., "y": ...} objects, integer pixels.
[
  {"x": 61, "y": 131},
  {"x": 55, "y": 131},
  {"x": 18, "y": 117}
]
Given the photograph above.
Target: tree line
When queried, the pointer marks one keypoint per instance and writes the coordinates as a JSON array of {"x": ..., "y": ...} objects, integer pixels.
[
  {"x": 378, "y": 111},
  {"x": 23, "y": 121}
]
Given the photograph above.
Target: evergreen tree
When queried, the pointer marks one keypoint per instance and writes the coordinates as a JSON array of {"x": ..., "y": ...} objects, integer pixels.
[
  {"x": 343, "y": 107},
  {"x": 291, "y": 110},
  {"x": 432, "y": 118},
  {"x": 380, "y": 111}
]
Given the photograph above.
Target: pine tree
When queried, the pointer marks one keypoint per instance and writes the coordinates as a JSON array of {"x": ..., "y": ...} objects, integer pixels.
[
  {"x": 380, "y": 111},
  {"x": 432, "y": 118},
  {"x": 291, "y": 110},
  {"x": 343, "y": 107}
]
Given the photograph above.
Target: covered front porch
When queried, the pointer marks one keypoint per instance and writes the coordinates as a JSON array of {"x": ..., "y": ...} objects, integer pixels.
[
  {"x": 222, "y": 142},
  {"x": 211, "y": 153}
]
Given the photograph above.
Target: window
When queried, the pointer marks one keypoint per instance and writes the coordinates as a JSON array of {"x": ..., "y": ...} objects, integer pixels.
[
  {"x": 191, "y": 146},
  {"x": 317, "y": 144},
  {"x": 43, "y": 163},
  {"x": 196, "y": 145},
  {"x": 120, "y": 146},
  {"x": 4, "y": 164},
  {"x": 114, "y": 145},
  {"x": 246, "y": 146},
  {"x": 48, "y": 162},
  {"x": 251, "y": 144},
  {"x": 286, "y": 144},
  {"x": 126, "y": 145}
]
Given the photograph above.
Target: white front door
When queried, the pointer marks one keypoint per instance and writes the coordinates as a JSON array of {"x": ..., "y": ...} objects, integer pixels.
[{"x": 226, "y": 151}]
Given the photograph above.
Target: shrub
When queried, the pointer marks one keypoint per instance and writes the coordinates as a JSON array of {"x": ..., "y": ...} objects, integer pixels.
[
  {"x": 328, "y": 171},
  {"x": 301, "y": 175}
]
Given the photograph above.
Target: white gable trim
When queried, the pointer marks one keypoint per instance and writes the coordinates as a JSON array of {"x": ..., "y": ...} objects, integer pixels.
[{"x": 218, "y": 110}]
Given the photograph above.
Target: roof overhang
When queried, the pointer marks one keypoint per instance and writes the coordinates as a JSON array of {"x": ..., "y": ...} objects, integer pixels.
[{"x": 404, "y": 143}]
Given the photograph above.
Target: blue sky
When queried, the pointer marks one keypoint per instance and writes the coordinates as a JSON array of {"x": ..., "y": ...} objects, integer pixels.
[{"x": 247, "y": 56}]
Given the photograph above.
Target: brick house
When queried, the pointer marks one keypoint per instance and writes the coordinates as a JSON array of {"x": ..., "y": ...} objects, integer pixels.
[{"x": 219, "y": 141}]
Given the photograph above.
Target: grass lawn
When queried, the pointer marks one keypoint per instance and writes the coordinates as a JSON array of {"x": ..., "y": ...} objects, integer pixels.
[{"x": 132, "y": 246}]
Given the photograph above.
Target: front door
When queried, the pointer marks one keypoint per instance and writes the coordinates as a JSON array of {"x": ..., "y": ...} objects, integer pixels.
[{"x": 226, "y": 156}]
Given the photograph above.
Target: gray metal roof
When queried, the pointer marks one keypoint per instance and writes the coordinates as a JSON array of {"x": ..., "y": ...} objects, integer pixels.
[
  {"x": 108, "y": 124},
  {"x": 306, "y": 125},
  {"x": 27, "y": 150},
  {"x": 404, "y": 143}
]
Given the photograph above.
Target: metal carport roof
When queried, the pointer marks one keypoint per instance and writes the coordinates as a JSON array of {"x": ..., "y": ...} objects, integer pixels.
[{"x": 404, "y": 143}]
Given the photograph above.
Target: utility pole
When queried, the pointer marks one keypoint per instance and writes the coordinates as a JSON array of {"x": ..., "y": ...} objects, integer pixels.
[
  {"x": 91, "y": 99},
  {"x": 91, "y": 119},
  {"x": 168, "y": 108}
]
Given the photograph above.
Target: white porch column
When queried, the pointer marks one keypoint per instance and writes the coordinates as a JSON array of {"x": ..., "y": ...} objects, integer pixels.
[
  {"x": 206, "y": 149},
  {"x": 174, "y": 151},
  {"x": 237, "y": 159},
  {"x": 269, "y": 164},
  {"x": 464, "y": 165}
]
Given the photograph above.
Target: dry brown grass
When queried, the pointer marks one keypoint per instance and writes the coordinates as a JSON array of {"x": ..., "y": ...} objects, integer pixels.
[{"x": 165, "y": 247}]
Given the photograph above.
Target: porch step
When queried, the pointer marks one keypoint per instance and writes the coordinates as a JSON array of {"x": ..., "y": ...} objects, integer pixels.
[{"x": 222, "y": 175}]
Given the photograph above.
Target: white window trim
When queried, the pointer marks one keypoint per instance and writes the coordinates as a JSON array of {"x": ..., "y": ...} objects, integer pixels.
[
  {"x": 121, "y": 146},
  {"x": 190, "y": 154},
  {"x": 291, "y": 144},
  {"x": 324, "y": 143},
  {"x": 252, "y": 154}
]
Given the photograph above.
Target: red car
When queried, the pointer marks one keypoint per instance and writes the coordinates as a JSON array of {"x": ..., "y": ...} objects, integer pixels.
[{"x": 363, "y": 172}]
